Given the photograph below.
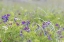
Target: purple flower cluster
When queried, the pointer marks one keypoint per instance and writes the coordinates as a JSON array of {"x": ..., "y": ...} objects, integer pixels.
[
  {"x": 46, "y": 33},
  {"x": 27, "y": 29},
  {"x": 45, "y": 24},
  {"x": 5, "y": 17},
  {"x": 26, "y": 23}
]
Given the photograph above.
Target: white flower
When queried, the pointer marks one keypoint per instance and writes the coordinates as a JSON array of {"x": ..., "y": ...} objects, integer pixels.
[
  {"x": 16, "y": 18},
  {"x": 5, "y": 27}
]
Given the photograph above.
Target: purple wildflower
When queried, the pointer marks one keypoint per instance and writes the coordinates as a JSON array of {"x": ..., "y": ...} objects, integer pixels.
[
  {"x": 8, "y": 15},
  {"x": 5, "y": 17},
  {"x": 57, "y": 25},
  {"x": 45, "y": 24},
  {"x": 27, "y": 29},
  {"x": 23, "y": 22},
  {"x": 48, "y": 22},
  {"x": 26, "y": 23}
]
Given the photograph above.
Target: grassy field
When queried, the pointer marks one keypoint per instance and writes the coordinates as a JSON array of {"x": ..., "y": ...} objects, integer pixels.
[{"x": 30, "y": 23}]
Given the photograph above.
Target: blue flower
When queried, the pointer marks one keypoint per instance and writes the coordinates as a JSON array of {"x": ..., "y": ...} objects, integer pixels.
[{"x": 5, "y": 17}]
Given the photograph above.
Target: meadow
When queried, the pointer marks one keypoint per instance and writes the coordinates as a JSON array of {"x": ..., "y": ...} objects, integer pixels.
[{"x": 19, "y": 23}]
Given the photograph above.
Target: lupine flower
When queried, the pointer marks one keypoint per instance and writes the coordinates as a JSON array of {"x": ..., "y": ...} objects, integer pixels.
[
  {"x": 45, "y": 24},
  {"x": 23, "y": 22},
  {"x": 5, "y": 17},
  {"x": 57, "y": 25},
  {"x": 26, "y": 23},
  {"x": 8, "y": 15},
  {"x": 27, "y": 29}
]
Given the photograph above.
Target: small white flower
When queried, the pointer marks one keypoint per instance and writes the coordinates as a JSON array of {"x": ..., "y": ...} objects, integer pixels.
[
  {"x": 5, "y": 27},
  {"x": 17, "y": 19}
]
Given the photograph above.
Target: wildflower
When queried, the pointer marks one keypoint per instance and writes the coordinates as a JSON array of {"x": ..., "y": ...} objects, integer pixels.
[
  {"x": 8, "y": 15},
  {"x": 5, "y": 17},
  {"x": 23, "y": 22},
  {"x": 26, "y": 23},
  {"x": 57, "y": 25},
  {"x": 27, "y": 29},
  {"x": 5, "y": 27},
  {"x": 15, "y": 19},
  {"x": 45, "y": 24}
]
